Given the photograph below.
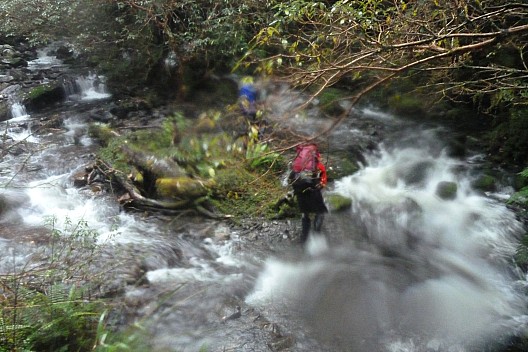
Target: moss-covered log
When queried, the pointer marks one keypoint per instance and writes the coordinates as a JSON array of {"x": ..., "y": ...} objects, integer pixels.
[{"x": 186, "y": 187}]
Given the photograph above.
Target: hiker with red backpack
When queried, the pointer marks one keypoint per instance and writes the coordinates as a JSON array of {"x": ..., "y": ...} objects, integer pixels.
[{"x": 308, "y": 177}]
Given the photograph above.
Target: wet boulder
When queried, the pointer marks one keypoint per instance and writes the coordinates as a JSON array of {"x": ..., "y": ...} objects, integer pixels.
[
  {"x": 5, "y": 110},
  {"x": 485, "y": 183},
  {"x": 415, "y": 174},
  {"x": 338, "y": 202},
  {"x": 64, "y": 53},
  {"x": 6, "y": 78},
  {"x": 44, "y": 96},
  {"x": 447, "y": 190},
  {"x": 10, "y": 57},
  {"x": 10, "y": 200}
]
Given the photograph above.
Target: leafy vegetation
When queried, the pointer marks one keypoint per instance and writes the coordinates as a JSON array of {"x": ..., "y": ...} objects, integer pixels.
[
  {"x": 49, "y": 303},
  {"x": 465, "y": 52},
  {"x": 242, "y": 173}
]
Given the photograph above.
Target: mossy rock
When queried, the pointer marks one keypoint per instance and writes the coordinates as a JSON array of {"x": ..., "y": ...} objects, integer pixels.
[
  {"x": 406, "y": 104},
  {"x": 101, "y": 132},
  {"x": 520, "y": 182},
  {"x": 43, "y": 96},
  {"x": 341, "y": 165},
  {"x": 520, "y": 198},
  {"x": 5, "y": 111},
  {"x": 447, "y": 190},
  {"x": 330, "y": 101},
  {"x": 485, "y": 183},
  {"x": 337, "y": 202},
  {"x": 241, "y": 193}
]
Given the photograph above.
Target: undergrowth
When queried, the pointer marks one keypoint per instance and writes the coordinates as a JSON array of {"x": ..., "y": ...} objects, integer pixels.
[{"x": 49, "y": 301}]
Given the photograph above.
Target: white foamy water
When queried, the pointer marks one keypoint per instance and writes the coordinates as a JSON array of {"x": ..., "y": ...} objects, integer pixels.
[
  {"x": 44, "y": 61},
  {"x": 92, "y": 87},
  {"x": 56, "y": 198},
  {"x": 21, "y": 133},
  {"x": 418, "y": 270},
  {"x": 18, "y": 112}
]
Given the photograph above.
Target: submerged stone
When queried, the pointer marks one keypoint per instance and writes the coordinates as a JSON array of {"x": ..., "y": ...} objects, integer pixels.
[
  {"x": 337, "y": 202},
  {"x": 447, "y": 190}
]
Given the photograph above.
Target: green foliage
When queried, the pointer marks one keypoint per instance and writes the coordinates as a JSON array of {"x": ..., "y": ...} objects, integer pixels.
[
  {"x": 509, "y": 140},
  {"x": 138, "y": 45},
  {"x": 520, "y": 198},
  {"x": 244, "y": 179},
  {"x": 521, "y": 255},
  {"x": 329, "y": 100},
  {"x": 242, "y": 193},
  {"x": 38, "y": 91},
  {"x": 50, "y": 306},
  {"x": 259, "y": 155},
  {"x": 112, "y": 154},
  {"x": 134, "y": 338}
]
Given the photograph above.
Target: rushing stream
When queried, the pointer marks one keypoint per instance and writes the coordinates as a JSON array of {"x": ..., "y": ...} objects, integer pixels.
[{"x": 402, "y": 270}]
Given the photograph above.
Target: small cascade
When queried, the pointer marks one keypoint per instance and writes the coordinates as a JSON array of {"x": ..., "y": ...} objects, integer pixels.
[
  {"x": 86, "y": 88},
  {"x": 18, "y": 112},
  {"x": 44, "y": 61}
]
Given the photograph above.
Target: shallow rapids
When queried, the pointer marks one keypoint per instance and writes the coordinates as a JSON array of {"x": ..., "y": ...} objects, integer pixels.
[{"x": 405, "y": 270}]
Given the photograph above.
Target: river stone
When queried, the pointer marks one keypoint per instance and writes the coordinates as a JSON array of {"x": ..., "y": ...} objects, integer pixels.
[
  {"x": 6, "y": 78},
  {"x": 337, "y": 202},
  {"x": 64, "y": 53},
  {"x": 416, "y": 174},
  {"x": 44, "y": 96},
  {"x": 5, "y": 111},
  {"x": 447, "y": 190},
  {"x": 10, "y": 200},
  {"x": 485, "y": 183}
]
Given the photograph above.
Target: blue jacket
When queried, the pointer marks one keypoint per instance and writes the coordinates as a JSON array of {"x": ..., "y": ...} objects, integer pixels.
[{"x": 249, "y": 92}]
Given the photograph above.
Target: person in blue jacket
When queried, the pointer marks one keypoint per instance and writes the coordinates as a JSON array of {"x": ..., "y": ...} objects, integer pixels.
[{"x": 247, "y": 98}]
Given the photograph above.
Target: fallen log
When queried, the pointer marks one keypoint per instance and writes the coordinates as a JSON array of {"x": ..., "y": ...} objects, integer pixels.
[{"x": 134, "y": 199}]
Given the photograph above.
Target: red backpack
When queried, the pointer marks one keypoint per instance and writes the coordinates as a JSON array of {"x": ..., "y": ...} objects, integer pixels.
[{"x": 306, "y": 159}]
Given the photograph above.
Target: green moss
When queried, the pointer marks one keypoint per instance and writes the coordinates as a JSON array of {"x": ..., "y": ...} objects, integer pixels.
[
  {"x": 343, "y": 167},
  {"x": 112, "y": 155},
  {"x": 520, "y": 198},
  {"x": 338, "y": 202},
  {"x": 103, "y": 133},
  {"x": 329, "y": 100},
  {"x": 521, "y": 255},
  {"x": 38, "y": 91},
  {"x": 447, "y": 190},
  {"x": 485, "y": 183},
  {"x": 238, "y": 182},
  {"x": 242, "y": 193},
  {"x": 406, "y": 104},
  {"x": 509, "y": 140}
]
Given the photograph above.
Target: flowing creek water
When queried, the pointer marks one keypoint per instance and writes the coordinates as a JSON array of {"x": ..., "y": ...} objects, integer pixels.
[{"x": 402, "y": 270}]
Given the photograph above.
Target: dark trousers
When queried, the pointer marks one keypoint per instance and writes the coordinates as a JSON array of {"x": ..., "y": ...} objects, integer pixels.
[
  {"x": 306, "y": 224},
  {"x": 310, "y": 200}
]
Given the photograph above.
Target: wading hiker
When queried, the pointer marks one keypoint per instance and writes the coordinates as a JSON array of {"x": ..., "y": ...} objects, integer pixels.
[{"x": 308, "y": 177}]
